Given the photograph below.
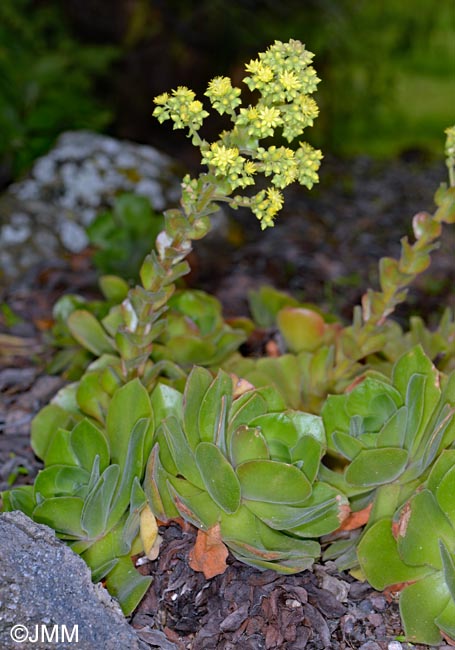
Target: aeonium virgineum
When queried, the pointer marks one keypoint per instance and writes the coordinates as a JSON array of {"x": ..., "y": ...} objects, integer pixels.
[
  {"x": 90, "y": 490},
  {"x": 416, "y": 550},
  {"x": 284, "y": 79},
  {"x": 221, "y": 453},
  {"x": 387, "y": 432},
  {"x": 248, "y": 464}
]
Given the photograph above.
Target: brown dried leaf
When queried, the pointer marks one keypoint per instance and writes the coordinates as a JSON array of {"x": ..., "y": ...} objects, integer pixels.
[
  {"x": 356, "y": 519},
  {"x": 209, "y": 553}
]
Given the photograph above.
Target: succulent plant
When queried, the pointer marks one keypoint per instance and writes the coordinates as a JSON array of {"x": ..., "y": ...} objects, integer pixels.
[
  {"x": 246, "y": 463},
  {"x": 196, "y": 333},
  {"x": 417, "y": 548},
  {"x": 390, "y": 431},
  {"x": 90, "y": 489}
]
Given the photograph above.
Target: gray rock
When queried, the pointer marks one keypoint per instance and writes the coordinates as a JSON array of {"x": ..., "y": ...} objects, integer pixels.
[
  {"x": 45, "y": 215},
  {"x": 46, "y": 590}
]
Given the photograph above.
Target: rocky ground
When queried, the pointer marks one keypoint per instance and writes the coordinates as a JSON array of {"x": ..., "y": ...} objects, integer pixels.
[{"x": 325, "y": 250}]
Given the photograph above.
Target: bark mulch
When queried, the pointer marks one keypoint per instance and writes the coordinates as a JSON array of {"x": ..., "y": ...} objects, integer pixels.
[{"x": 252, "y": 610}]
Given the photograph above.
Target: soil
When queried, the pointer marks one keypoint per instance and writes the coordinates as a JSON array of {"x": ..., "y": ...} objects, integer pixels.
[{"x": 324, "y": 250}]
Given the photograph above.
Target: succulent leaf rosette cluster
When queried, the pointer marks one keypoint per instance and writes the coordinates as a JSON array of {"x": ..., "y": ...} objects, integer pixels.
[
  {"x": 390, "y": 431},
  {"x": 247, "y": 464},
  {"x": 417, "y": 548},
  {"x": 90, "y": 489},
  {"x": 396, "y": 438}
]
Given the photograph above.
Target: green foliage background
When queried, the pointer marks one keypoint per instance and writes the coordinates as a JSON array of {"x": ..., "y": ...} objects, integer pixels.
[
  {"x": 386, "y": 67},
  {"x": 46, "y": 82}
]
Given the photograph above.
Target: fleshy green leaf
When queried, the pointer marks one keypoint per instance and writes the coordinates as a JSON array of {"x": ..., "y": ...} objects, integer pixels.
[
  {"x": 371, "y": 391},
  {"x": 378, "y": 556},
  {"x": 181, "y": 451},
  {"x": 283, "y": 374},
  {"x": 212, "y": 416},
  {"x": 114, "y": 288},
  {"x": 166, "y": 401},
  {"x": 196, "y": 387},
  {"x": 307, "y": 424},
  {"x": 423, "y": 525},
  {"x": 376, "y": 466},
  {"x": 197, "y": 507},
  {"x": 323, "y": 509},
  {"x": 334, "y": 415},
  {"x": 346, "y": 444},
  {"x": 60, "y": 451},
  {"x": 307, "y": 454},
  {"x": 156, "y": 489},
  {"x": 132, "y": 467},
  {"x": 60, "y": 480},
  {"x": 97, "y": 504},
  {"x": 445, "y": 495},
  {"x": 446, "y": 619},
  {"x": 63, "y": 514},
  {"x": 127, "y": 585},
  {"x": 273, "y": 482},
  {"x": 45, "y": 424},
  {"x": 444, "y": 464},
  {"x": 128, "y": 405},
  {"x": 245, "y": 408},
  {"x": 420, "y": 604},
  {"x": 219, "y": 478},
  {"x": 416, "y": 361},
  {"x": 393, "y": 432},
  {"x": 91, "y": 397},
  {"x": 448, "y": 566},
  {"x": 277, "y": 426},
  {"x": 247, "y": 443},
  {"x": 19, "y": 498},
  {"x": 87, "y": 442},
  {"x": 89, "y": 333}
]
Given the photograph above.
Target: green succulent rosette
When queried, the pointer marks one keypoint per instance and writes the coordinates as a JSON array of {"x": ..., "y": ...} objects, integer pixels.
[
  {"x": 90, "y": 490},
  {"x": 417, "y": 548},
  {"x": 390, "y": 431},
  {"x": 195, "y": 332},
  {"x": 246, "y": 463}
]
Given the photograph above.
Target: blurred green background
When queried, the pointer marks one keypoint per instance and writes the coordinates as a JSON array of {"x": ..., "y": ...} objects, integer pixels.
[{"x": 387, "y": 68}]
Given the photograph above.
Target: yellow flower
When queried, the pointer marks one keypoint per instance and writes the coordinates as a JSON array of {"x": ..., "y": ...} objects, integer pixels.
[
  {"x": 269, "y": 116},
  {"x": 289, "y": 80},
  {"x": 261, "y": 75},
  {"x": 250, "y": 167},
  {"x": 219, "y": 86},
  {"x": 266, "y": 204},
  {"x": 161, "y": 99},
  {"x": 226, "y": 160},
  {"x": 195, "y": 107},
  {"x": 184, "y": 94}
]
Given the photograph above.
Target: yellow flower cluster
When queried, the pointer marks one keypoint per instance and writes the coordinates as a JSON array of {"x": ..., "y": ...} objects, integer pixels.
[
  {"x": 260, "y": 121},
  {"x": 278, "y": 162},
  {"x": 228, "y": 163},
  {"x": 223, "y": 96},
  {"x": 265, "y": 205},
  {"x": 298, "y": 115},
  {"x": 309, "y": 161},
  {"x": 284, "y": 77},
  {"x": 283, "y": 72},
  {"x": 182, "y": 108}
]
